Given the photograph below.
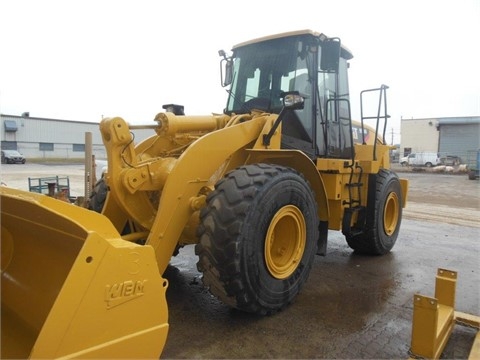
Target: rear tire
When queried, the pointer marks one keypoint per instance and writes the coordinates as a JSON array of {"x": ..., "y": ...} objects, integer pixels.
[
  {"x": 258, "y": 237},
  {"x": 98, "y": 196},
  {"x": 383, "y": 220}
]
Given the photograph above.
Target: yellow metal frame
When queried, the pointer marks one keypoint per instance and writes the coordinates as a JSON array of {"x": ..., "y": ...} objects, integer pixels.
[{"x": 434, "y": 319}]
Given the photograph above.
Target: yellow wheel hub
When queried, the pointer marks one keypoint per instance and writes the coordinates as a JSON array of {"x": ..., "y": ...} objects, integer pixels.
[
  {"x": 285, "y": 242},
  {"x": 391, "y": 213}
]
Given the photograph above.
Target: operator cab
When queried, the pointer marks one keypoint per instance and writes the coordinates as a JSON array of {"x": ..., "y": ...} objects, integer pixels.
[{"x": 261, "y": 71}]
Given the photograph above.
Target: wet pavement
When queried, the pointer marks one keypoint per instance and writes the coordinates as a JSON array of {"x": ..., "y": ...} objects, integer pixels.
[{"x": 352, "y": 306}]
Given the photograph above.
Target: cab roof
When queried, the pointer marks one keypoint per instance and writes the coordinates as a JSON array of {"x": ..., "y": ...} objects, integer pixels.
[{"x": 346, "y": 53}]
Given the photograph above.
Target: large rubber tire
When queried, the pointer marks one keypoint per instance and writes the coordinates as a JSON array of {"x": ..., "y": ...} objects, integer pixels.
[
  {"x": 258, "y": 237},
  {"x": 383, "y": 219},
  {"x": 98, "y": 196}
]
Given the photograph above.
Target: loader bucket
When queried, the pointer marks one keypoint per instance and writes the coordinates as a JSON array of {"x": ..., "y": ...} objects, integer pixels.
[{"x": 71, "y": 287}]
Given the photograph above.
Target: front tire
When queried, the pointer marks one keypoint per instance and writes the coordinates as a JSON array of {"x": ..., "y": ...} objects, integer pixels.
[
  {"x": 383, "y": 218},
  {"x": 258, "y": 237}
]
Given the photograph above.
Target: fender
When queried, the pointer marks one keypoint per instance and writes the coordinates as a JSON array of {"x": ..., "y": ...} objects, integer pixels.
[{"x": 297, "y": 160}]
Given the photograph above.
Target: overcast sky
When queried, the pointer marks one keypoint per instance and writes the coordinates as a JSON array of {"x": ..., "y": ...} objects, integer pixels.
[{"x": 81, "y": 60}]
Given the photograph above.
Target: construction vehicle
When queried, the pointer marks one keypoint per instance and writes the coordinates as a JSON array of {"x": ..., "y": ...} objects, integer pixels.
[{"x": 256, "y": 189}]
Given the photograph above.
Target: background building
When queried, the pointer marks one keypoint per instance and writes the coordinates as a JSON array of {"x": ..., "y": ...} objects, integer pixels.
[
  {"x": 53, "y": 138},
  {"x": 456, "y": 136}
]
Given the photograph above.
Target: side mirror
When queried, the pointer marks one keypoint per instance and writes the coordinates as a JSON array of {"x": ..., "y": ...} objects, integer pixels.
[
  {"x": 330, "y": 55},
  {"x": 292, "y": 100},
  {"x": 226, "y": 69}
]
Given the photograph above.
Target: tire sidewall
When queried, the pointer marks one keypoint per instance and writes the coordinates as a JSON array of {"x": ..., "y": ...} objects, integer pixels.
[
  {"x": 98, "y": 196},
  {"x": 386, "y": 242},
  {"x": 262, "y": 209}
]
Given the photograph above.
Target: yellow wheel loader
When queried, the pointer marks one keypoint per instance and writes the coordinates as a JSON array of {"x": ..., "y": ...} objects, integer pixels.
[{"x": 256, "y": 190}]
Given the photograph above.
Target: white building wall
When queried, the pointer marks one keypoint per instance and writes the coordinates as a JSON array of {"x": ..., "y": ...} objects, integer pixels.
[
  {"x": 66, "y": 136},
  {"x": 54, "y": 131},
  {"x": 420, "y": 135}
]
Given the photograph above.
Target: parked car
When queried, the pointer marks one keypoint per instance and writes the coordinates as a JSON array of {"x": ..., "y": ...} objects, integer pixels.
[
  {"x": 427, "y": 159},
  {"x": 12, "y": 157}
]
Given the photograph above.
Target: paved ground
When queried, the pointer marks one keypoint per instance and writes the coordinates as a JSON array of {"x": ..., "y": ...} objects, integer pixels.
[{"x": 352, "y": 306}]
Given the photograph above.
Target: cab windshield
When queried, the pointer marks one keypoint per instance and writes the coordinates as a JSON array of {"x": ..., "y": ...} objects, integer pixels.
[{"x": 264, "y": 70}]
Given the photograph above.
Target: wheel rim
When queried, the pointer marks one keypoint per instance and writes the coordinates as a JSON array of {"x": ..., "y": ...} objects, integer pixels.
[
  {"x": 390, "y": 213},
  {"x": 285, "y": 242}
]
